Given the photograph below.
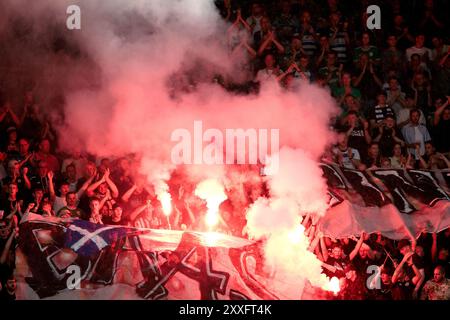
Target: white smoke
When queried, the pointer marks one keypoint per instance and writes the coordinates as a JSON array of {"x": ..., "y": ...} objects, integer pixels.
[{"x": 117, "y": 101}]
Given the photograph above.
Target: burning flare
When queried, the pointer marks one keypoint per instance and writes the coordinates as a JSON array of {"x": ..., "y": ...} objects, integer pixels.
[
  {"x": 213, "y": 192},
  {"x": 333, "y": 286},
  {"x": 166, "y": 203}
]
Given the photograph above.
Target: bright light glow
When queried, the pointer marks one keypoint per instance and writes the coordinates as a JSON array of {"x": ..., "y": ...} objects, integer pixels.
[
  {"x": 166, "y": 203},
  {"x": 297, "y": 234},
  {"x": 211, "y": 238},
  {"x": 211, "y": 219},
  {"x": 333, "y": 286},
  {"x": 213, "y": 192}
]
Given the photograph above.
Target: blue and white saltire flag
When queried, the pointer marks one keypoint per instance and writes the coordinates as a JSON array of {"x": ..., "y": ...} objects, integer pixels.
[{"x": 88, "y": 239}]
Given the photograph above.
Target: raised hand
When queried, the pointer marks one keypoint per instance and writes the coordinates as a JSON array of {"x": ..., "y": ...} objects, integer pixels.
[{"x": 30, "y": 206}]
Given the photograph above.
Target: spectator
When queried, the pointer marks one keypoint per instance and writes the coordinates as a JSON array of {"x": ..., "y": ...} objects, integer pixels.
[
  {"x": 357, "y": 130},
  {"x": 354, "y": 287},
  {"x": 431, "y": 21},
  {"x": 19, "y": 178},
  {"x": 40, "y": 180},
  {"x": 372, "y": 51},
  {"x": 385, "y": 290},
  {"x": 379, "y": 113},
  {"x": 324, "y": 51},
  {"x": 10, "y": 206},
  {"x": 71, "y": 209},
  {"x": 270, "y": 44},
  {"x": 285, "y": 23},
  {"x": 367, "y": 81},
  {"x": 116, "y": 217},
  {"x": 401, "y": 31},
  {"x": 339, "y": 38},
  {"x": 415, "y": 134},
  {"x": 395, "y": 97},
  {"x": 307, "y": 34},
  {"x": 24, "y": 153},
  {"x": 392, "y": 57},
  {"x": 388, "y": 136},
  {"x": 330, "y": 72},
  {"x": 95, "y": 215},
  {"x": 441, "y": 131},
  {"x": 270, "y": 72},
  {"x": 347, "y": 157},
  {"x": 373, "y": 158},
  {"x": 404, "y": 113},
  {"x": 44, "y": 155},
  {"x": 254, "y": 21},
  {"x": 398, "y": 159},
  {"x": 413, "y": 271},
  {"x": 437, "y": 288},
  {"x": 77, "y": 160},
  {"x": 440, "y": 49},
  {"x": 422, "y": 93},
  {"x": 333, "y": 264},
  {"x": 420, "y": 49},
  {"x": 346, "y": 88}
]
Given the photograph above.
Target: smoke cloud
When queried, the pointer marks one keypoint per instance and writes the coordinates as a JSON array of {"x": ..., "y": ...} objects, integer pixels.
[{"x": 114, "y": 93}]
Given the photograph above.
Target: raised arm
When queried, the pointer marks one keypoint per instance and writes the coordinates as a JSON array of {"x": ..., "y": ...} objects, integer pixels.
[
  {"x": 14, "y": 117},
  {"x": 437, "y": 114},
  {"x": 357, "y": 247},
  {"x": 84, "y": 187},
  {"x": 400, "y": 266},
  {"x": 51, "y": 186},
  {"x": 126, "y": 196},
  {"x": 112, "y": 186},
  {"x": 324, "y": 249},
  {"x": 7, "y": 247},
  {"x": 90, "y": 190},
  {"x": 136, "y": 212},
  {"x": 434, "y": 248}
]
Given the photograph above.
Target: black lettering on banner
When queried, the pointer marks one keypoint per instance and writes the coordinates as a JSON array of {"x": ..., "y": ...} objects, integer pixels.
[
  {"x": 371, "y": 194},
  {"x": 400, "y": 188},
  {"x": 239, "y": 258},
  {"x": 201, "y": 270},
  {"x": 426, "y": 180},
  {"x": 335, "y": 199},
  {"x": 334, "y": 179}
]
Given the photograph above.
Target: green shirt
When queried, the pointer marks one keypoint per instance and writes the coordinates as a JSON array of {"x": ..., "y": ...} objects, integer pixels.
[{"x": 372, "y": 51}]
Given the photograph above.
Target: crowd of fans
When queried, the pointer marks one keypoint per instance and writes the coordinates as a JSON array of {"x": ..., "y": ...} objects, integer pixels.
[{"x": 392, "y": 86}]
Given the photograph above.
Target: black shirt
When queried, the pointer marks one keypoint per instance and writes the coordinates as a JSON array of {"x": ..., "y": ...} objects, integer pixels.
[
  {"x": 339, "y": 264},
  {"x": 354, "y": 290}
]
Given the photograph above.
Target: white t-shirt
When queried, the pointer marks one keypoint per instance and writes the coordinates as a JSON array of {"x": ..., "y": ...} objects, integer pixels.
[
  {"x": 265, "y": 74},
  {"x": 60, "y": 202},
  {"x": 254, "y": 21},
  {"x": 419, "y": 51}
]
